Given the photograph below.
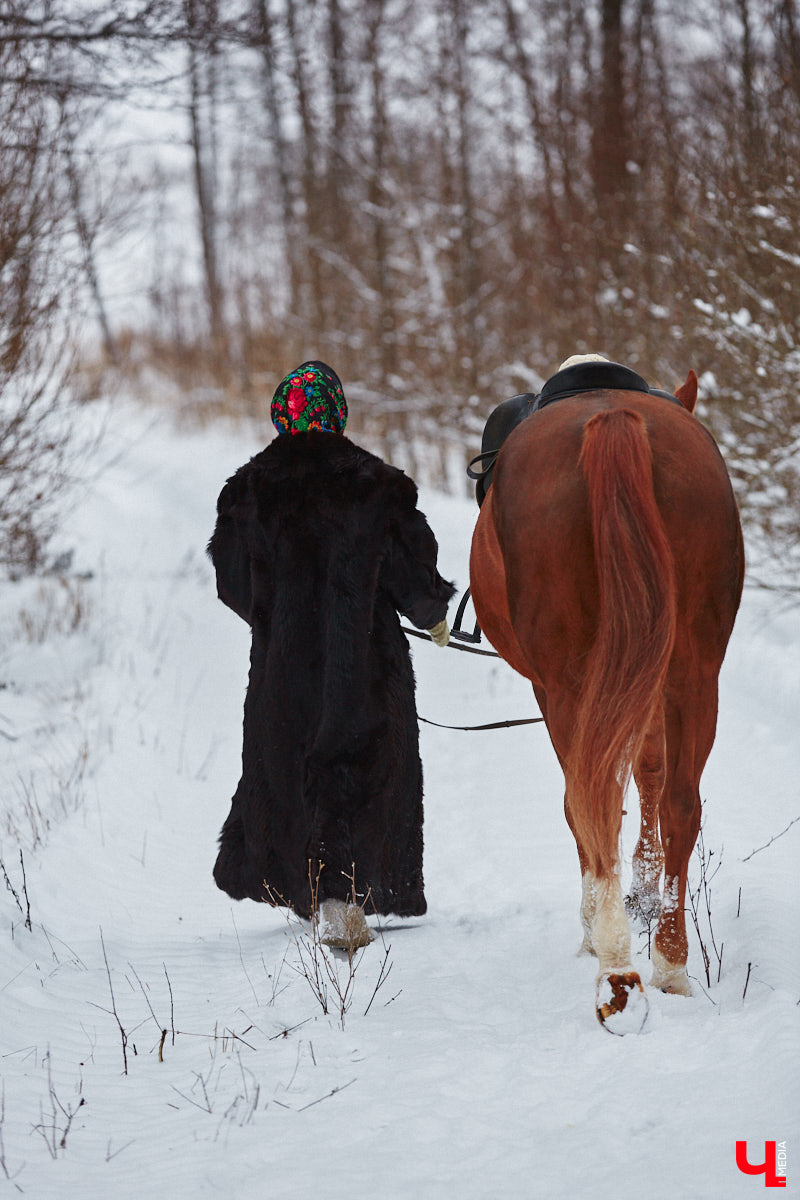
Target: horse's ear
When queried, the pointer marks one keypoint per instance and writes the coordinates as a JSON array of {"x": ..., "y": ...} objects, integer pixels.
[{"x": 687, "y": 392}]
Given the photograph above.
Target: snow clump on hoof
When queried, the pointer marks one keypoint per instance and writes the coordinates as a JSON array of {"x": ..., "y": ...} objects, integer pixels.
[
  {"x": 621, "y": 1004},
  {"x": 343, "y": 926}
]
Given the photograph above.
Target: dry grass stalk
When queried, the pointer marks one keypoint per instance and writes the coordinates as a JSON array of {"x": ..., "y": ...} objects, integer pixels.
[{"x": 330, "y": 972}]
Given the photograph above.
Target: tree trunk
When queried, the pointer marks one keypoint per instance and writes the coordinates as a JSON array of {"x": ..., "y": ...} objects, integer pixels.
[
  {"x": 311, "y": 176},
  {"x": 747, "y": 73},
  {"x": 469, "y": 269},
  {"x": 789, "y": 44},
  {"x": 86, "y": 235},
  {"x": 378, "y": 199},
  {"x": 340, "y": 105},
  {"x": 201, "y": 41},
  {"x": 610, "y": 150},
  {"x": 525, "y": 72},
  {"x": 279, "y": 148}
]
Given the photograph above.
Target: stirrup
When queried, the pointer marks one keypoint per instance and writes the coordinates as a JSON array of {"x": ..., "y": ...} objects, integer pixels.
[{"x": 456, "y": 631}]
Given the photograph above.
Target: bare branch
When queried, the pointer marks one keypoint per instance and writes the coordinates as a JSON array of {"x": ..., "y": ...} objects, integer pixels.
[
  {"x": 771, "y": 840},
  {"x": 122, "y": 1033}
]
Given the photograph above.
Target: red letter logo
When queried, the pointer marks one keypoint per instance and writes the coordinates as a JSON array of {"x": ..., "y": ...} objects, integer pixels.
[{"x": 767, "y": 1168}]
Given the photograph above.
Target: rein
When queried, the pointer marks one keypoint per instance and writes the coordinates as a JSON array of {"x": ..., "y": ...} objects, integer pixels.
[
  {"x": 453, "y": 645},
  {"x": 491, "y": 725},
  {"x": 458, "y": 633},
  {"x": 475, "y": 636}
]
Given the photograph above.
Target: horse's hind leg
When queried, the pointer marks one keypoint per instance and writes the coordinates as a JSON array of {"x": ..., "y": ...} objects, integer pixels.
[
  {"x": 588, "y": 892},
  {"x": 588, "y": 896},
  {"x": 606, "y": 933},
  {"x": 690, "y": 730},
  {"x": 644, "y": 899},
  {"x": 611, "y": 934},
  {"x": 621, "y": 1004}
]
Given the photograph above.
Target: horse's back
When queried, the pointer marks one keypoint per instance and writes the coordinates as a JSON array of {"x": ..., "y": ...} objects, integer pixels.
[{"x": 540, "y": 525}]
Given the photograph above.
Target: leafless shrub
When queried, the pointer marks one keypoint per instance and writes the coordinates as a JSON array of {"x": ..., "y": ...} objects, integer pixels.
[
  {"x": 26, "y": 911},
  {"x": 242, "y": 1109},
  {"x": 699, "y": 897},
  {"x": 37, "y": 285},
  {"x": 38, "y": 797},
  {"x": 330, "y": 974},
  {"x": 200, "y": 1085},
  {"x": 122, "y": 1031},
  {"x": 56, "y": 1122},
  {"x": 60, "y": 607},
  {"x": 25, "y": 818},
  {"x": 4, "y": 1167}
]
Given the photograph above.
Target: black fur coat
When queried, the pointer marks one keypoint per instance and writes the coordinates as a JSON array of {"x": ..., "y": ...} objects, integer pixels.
[{"x": 318, "y": 545}]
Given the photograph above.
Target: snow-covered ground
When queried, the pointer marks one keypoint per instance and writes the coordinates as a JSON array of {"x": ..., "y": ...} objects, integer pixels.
[{"x": 479, "y": 1070}]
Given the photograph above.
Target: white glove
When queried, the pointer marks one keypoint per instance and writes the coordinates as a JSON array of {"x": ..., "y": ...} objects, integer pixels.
[{"x": 440, "y": 633}]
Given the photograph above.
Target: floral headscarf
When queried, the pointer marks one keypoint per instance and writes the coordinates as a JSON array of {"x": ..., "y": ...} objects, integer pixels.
[{"x": 310, "y": 397}]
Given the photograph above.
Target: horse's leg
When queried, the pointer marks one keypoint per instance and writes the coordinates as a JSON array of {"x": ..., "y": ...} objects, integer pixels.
[
  {"x": 587, "y": 891},
  {"x": 690, "y": 729},
  {"x": 620, "y": 1003},
  {"x": 644, "y": 898}
]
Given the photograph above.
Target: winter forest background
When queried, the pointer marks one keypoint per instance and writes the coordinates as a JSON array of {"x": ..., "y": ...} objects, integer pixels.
[{"x": 443, "y": 198}]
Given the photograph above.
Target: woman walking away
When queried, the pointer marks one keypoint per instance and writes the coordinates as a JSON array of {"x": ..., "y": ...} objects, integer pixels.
[{"x": 318, "y": 545}]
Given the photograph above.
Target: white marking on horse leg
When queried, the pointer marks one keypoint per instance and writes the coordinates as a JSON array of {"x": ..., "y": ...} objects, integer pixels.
[
  {"x": 587, "y": 912},
  {"x": 620, "y": 1002},
  {"x": 610, "y": 932},
  {"x": 668, "y": 976},
  {"x": 644, "y": 898}
]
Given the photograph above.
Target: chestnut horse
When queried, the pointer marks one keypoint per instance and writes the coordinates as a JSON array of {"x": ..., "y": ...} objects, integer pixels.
[{"x": 607, "y": 567}]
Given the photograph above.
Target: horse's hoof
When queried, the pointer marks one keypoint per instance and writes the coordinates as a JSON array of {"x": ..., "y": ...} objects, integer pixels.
[
  {"x": 669, "y": 977},
  {"x": 621, "y": 1003}
]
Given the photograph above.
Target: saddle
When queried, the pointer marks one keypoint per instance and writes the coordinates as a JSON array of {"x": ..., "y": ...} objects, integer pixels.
[{"x": 572, "y": 381}]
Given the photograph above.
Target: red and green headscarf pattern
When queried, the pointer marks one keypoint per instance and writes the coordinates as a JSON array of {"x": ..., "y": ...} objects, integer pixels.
[{"x": 311, "y": 397}]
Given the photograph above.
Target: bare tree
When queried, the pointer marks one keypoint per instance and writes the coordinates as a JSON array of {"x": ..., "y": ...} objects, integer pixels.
[
  {"x": 610, "y": 153},
  {"x": 265, "y": 39},
  {"x": 378, "y": 195},
  {"x": 202, "y": 48},
  {"x": 317, "y": 308},
  {"x": 36, "y": 285}
]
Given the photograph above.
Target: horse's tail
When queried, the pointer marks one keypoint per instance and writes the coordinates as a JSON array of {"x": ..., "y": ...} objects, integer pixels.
[{"x": 628, "y": 661}]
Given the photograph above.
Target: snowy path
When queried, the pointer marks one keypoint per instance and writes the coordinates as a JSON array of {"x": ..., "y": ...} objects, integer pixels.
[{"x": 479, "y": 1070}]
